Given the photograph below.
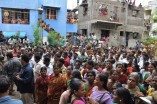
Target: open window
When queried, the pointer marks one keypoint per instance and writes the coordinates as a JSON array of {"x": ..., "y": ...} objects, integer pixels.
[
  {"x": 51, "y": 13},
  {"x": 15, "y": 16}
]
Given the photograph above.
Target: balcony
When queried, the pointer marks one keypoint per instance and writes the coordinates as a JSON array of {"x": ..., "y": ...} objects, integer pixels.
[
  {"x": 72, "y": 18},
  {"x": 110, "y": 18},
  {"x": 135, "y": 8}
]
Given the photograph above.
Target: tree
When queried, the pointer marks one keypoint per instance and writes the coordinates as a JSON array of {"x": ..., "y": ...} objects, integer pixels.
[
  {"x": 151, "y": 44},
  {"x": 154, "y": 16},
  {"x": 37, "y": 38},
  {"x": 55, "y": 39}
]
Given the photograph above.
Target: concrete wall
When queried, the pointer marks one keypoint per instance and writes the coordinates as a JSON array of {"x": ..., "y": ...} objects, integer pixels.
[{"x": 124, "y": 17}]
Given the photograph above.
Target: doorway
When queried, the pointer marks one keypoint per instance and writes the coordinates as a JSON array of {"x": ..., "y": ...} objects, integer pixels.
[
  {"x": 127, "y": 38},
  {"x": 84, "y": 31},
  {"x": 105, "y": 34}
]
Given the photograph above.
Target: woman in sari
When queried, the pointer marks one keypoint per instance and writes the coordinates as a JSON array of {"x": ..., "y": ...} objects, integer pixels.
[
  {"x": 41, "y": 86},
  {"x": 91, "y": 77},
  {"x": 56, "y": 86}
]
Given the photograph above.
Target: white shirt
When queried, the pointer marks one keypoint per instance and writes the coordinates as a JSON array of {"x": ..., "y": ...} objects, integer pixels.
[
  {"x": 49, "y": 69},
  {"x": 36, "y": 69},
  {"x": 11, "y": 41}
]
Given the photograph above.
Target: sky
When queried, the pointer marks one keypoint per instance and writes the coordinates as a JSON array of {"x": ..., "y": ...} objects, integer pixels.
[{"x": 73, "y": 3}]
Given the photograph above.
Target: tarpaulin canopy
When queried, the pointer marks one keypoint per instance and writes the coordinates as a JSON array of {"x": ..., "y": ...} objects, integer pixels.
[{"x": 9, "y": 34}]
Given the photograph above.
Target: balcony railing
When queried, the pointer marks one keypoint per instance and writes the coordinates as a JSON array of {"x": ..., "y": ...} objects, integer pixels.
[{"x": 72, "y": 18}]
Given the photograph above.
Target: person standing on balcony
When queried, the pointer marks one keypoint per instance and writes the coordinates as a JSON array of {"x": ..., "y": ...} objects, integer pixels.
[{"x": 18, "y": 20}]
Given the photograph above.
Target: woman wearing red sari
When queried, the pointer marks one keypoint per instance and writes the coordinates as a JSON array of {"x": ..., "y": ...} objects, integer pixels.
[
  {"x": 41, "y": 86},
  {"x": 56, "y": 86}
]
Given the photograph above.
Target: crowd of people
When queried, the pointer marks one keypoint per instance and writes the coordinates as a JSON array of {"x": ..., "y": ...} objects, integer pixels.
[{"x": 77, "y": 74}]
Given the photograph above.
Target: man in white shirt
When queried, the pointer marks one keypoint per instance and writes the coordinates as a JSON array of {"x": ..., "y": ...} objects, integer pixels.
[
  {"x": 47, "y": 64},
  {"x": 37, "y": 65},
  {"x": 11, "y": 40}
]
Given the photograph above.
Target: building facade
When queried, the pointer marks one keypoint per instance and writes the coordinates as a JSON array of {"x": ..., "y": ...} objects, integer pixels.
[
  {"x": 149, "y": 14},
  {"x": 121, "y": 22},
  {"x": 23, "y": 15}
]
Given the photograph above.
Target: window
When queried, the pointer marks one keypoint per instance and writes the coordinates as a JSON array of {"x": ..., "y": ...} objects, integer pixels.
[
  {"x": 51, "y": 13},
  {"x": 15, "y": 16},
  {"x": 84, "y": 31},
  {"x": 72, "y": 18},
  {"x": 85, "y": 9},
  {"x": 121, "y": 33}
]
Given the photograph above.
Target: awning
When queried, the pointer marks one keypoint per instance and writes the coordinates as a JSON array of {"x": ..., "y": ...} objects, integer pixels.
[
  {"x": 56, "y": 7},
  {"x": 9, "y": 34},
  {"x": 68, "y": 10},
  {"x": 107, "y": 22}
]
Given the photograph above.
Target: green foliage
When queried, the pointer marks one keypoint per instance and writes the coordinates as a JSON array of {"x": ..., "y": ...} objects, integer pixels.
[
  {"x": 55, "y": 39},
  {"x": 155, "y": 12},
  {"x": 149, "y": 40},
  {"x": 62, "y": 41},
  {"x": 155, "y": 30},
  {"x": 37, "y": 38},
  {"x": 155, "y": 18}
]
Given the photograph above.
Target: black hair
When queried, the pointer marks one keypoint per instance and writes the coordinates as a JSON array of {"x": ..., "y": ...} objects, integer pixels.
[
  {"x": 61, "y": 60},
  {"x": 125, "y": 95},
  {"x": 77, "y": 74},
  {"x": 146, "y": 64},
  {"x": 4, "y": 83},
  {"x": 25, "y": 58},
  {"x": 92, "y": 72},
  {"x": 65, "y": 53},
  {"x": 109, "y": 61},
  {"x": 37, "y": 56},
  {"x": 118, "y": 64},
  {"x": 90, "y": 62},
  {"x": 10, "y": 55},
  {"x": 103, "y": 78},
  {"x": 74, "y": 86},
  {"x": 47, "y": 59},
  {"x": 137, "y": 69},
  {"x": 118, "y": 85},
  {"x": 43, "y": 68}
]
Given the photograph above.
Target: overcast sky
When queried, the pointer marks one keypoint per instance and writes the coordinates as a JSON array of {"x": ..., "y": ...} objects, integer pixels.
[{"x": 73, "y": 3}]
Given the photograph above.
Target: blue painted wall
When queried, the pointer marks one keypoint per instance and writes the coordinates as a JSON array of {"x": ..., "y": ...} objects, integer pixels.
[
  {"x": 21, "y": 27},
  {"x": 23, "y": 4},
  {"x": 59, "y": 24},
  {"x": 71, "y": 28}
]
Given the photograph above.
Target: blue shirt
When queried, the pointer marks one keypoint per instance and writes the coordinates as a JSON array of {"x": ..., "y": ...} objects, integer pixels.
[{"x": 9, "y": 100}]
